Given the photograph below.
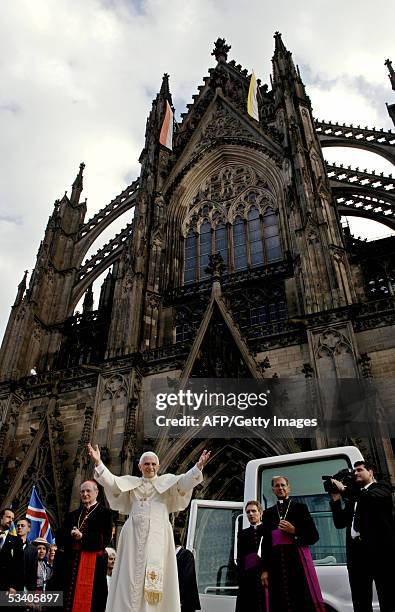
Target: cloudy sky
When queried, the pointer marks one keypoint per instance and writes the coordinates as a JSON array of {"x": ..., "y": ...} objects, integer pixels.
[{"x": 78, "y": 78}]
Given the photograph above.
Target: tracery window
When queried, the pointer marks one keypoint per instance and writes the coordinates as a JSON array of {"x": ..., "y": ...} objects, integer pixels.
[
  {"x": 271, "y": 236},
  {"x": 239, "y": 245},
  {"x": 190, "y": 257},
  {"x": 205, "y": 248},
  {"x": 232, "y": 216},
  {"x": 221, "y": 241},
  {"x": 255, "y": 237}
]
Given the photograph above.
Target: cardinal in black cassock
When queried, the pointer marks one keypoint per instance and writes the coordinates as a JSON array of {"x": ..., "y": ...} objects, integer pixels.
[{"x": 82, "y": 561}]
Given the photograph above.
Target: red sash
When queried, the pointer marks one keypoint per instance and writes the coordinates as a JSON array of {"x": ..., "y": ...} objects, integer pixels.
[{"x": 84, "y": 586}]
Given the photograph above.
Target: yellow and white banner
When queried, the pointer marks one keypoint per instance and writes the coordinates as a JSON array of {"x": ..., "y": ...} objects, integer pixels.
[{"x": 252, "y": 102}]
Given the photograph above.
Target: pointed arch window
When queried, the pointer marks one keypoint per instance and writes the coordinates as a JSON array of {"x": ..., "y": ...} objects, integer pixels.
[
  {"x": 239, "y": 244},
  {"x": 205, "y": 248},
  {"x": 271, "y": 235},
  {"x": 255, "y": 237},
  {"x": 248, "y": 243},
  {"x": 221, "y": 241},
  {"x": 190, "y": 257}
]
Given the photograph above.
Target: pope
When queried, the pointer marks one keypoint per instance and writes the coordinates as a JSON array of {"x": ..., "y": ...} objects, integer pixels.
[{"x": 144, "y": 578}]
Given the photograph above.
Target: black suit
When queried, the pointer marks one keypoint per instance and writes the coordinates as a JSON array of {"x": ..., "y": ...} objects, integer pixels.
[
  {"x": 370, "y": 557},
  {"x": 251, "y": 595},
  {"x": 30, "y": 562},
  {"x": 189, "y": 594},
  {"x": 11, "y": 564}
]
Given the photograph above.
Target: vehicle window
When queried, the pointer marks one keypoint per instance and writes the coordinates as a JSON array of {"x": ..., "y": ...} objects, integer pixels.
[
  {"x": 214, "y": 544},
  {"x": 307, "y": 487}
]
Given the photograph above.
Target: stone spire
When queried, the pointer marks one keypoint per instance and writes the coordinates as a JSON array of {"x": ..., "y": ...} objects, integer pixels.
[
  {"x": 165, "y": 88},
  {"x": 282, "y": 58},
  {"x": 155, "y": 118},
  {"x": 21, "y": 289},
  {"x": 106, "y": 292},
  {"x": 279, "y": 46},
  {"x": 285, "y": 73},
  {"x": 77, "y": 185},
  {"x": 88, "y": 300},
  {"x": 391, "y": 76},
  {"x": 391, "y": 71}
]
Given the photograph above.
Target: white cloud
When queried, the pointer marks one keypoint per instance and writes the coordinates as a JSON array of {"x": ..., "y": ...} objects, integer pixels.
[{"x": 78, "y": 79}]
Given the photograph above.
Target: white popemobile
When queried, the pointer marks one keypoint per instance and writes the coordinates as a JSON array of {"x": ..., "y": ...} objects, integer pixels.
[{"x": 213, "y": 526}]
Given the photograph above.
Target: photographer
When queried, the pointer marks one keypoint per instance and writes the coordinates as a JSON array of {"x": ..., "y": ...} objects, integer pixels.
[{"x": 367, "y": 514}]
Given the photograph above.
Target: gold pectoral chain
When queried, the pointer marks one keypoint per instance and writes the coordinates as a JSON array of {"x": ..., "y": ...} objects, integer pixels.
[
  {"x": 286, "y": 512},
  {"x": 80, "y": 523}
]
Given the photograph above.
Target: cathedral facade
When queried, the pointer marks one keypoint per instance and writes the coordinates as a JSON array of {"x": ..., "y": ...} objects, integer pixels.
[{"x": 234, "y": 264}]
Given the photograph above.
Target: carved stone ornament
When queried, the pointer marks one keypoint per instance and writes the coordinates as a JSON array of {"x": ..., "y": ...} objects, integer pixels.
[
  {"x": 312, "y": 237},
  {"x": 115, "y": 387},
  {"x": 127, "y": 283},
  {"x": 332, "y": 342},
  {"x": 153, "y": 300},
  {"x": 221, "y": 50},
  {"x": 216, "y": 266},
  {"x": 3, "y": 411},
  {"x": 223, "y": 124},
  {"x": 365, "y": 363},
  {"x": 37, "y": 333},
  {"x": 21, "y": 312}
]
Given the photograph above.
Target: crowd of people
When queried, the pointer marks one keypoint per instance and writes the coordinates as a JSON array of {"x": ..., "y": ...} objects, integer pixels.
[
  {"x": 151, "y": 572},
  {"x": 140, "y": 576},
  {"x": 38, "y": 558},
  {"x": 24, "y": 565}
]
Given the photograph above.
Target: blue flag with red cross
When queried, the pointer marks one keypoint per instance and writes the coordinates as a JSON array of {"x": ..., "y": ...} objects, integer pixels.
[{"x": 39, "y": 518}]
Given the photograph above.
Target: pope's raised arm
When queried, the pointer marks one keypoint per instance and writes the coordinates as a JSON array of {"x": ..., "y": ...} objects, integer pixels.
[
  {"x": 188, "y": 481},
  {"x": 117, "y": 488},
  {"x": 94, "y": 453},
  {"x": 204, "y": 457}
]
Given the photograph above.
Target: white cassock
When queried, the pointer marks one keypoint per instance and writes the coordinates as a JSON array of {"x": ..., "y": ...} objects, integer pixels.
[{"x": 144, "y": 578}]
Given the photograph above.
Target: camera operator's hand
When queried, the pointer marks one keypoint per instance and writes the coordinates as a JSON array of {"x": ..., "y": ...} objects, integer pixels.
[{"x": 340, "y": 487}]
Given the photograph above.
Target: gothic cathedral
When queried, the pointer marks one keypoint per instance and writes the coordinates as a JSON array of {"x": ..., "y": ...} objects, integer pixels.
[{"x": 234, "y": 264}]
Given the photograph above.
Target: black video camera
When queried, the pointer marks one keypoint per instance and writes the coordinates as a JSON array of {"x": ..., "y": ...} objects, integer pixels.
[{"x": 346, "y": 477}]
